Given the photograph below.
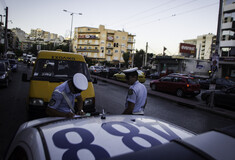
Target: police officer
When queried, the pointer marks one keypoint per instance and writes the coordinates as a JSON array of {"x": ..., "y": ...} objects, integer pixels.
[
  {"x": 64, "y": 95},
  {"x": 137, "y": 94}
]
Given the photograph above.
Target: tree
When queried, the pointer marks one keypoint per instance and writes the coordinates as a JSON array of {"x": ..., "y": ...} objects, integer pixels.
[
  {"x": 126, "y": 57},
  {"x": 138, "y": 60}
]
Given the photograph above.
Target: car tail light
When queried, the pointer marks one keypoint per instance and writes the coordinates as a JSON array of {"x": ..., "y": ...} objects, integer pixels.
[{"x": 187, "y": 85}]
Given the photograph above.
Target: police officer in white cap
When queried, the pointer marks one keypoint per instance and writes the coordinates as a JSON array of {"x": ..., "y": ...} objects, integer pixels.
[
  {"x": 136, "y": 99},
  {"x": 63, "y": 97}
]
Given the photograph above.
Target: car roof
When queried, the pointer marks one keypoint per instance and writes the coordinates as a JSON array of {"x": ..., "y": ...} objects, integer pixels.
[{"x": 104, "y": 137}]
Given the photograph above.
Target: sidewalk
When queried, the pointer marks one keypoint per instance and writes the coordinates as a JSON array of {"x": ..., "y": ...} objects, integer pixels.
[{"x": 183, "y": 101}]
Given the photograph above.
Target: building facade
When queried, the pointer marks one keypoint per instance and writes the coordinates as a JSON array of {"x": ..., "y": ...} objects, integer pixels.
[
  {"x": 227, "y": 40},
  {"x": 204, "y": 45},
  {"x": 102, "y": 44}
]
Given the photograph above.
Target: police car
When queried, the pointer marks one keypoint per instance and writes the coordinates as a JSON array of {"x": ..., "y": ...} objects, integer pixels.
[{"x": 114, "y": 137}]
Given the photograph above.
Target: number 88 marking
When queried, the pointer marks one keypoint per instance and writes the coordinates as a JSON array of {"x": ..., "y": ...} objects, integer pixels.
[
  {"x": 128, "y": 137},
  {"x": 60, "y": 140}
]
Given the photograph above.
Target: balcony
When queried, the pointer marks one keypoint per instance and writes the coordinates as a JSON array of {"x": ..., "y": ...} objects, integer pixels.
[
  {"x": 109, "y": 54},
  {"x": 227, "y": 43},
  {"x": 109, "y": 47},
  {"x": 87, "y": 50},
  {"x": 130, "y": 41},
  {"x": 228, "y": 26},
  {"x": 229, "y": 8},
  {"x": 87, "y": 36},
  {"x": 87, "y": 44}
]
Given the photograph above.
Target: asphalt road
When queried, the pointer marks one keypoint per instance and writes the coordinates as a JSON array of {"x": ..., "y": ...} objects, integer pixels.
[
  {"x": 112, "y": 97},
  {"x": 109, "y": 97}
]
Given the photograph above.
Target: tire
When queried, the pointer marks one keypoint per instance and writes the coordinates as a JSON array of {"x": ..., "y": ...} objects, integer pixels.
[
  {"x": 154, "y": 87},
  {"x": 179, "y": 93}
]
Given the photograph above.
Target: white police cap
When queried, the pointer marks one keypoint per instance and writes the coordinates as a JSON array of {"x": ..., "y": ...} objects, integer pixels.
[
  {"x": 130, "y": 70},
  {"x": 80, "y": 81}
]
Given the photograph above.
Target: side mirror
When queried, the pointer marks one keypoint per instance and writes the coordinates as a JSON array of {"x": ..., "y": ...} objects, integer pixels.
[
  {"x": 95, "y": 81},
  {"x": 24, "y": 77}
]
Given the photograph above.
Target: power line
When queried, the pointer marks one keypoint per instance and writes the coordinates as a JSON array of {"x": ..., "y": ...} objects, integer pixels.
[
  {"x": 144, "y": 11},
  {"x": 165, "y": 10},
  {"x": 177, "y": 14}
]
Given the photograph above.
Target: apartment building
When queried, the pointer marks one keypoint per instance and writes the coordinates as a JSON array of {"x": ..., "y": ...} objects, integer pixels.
[
  {"x": 227, "y": 40},
  {"x": 102, "y": 44},
  {"x": 205, "y": 45},
  {"x": 41, "y": 34}
]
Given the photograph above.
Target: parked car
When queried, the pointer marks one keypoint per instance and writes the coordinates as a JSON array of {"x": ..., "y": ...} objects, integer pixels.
[
  {"x": 222, "y": 98},
  {"x": 20, "y": 59},
  {"x": 108, "y": 72},
  {"x": 33, "y": 60},
  {"x": 13, "y": 64},
  {"x": 154, "y": 75},
  {"x": 5, "y": 74},
  {"x": 221, "y": 83},
  {"x": 91, "y": 137},
  {"x": 122, "y": 77},
  {"x": 177, "y": 84},
  {"x": 96, "y": 70},
  {"x": 6, "y": 61}
]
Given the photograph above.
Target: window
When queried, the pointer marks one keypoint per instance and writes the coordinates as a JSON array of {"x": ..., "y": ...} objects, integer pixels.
[
  {"x": 123, "y": 45},
  {"x": 101, "y": 47},
  {"x": 116, "y": 51},
  {"x": 167, "y": 79},
  {"x": 109, "y": 51},
  {"x": 102, "y": 42},
  {"x": 117, "y": 37},
  {"x": 52, "y": 69},
  {"x": 123, "y": 38}
]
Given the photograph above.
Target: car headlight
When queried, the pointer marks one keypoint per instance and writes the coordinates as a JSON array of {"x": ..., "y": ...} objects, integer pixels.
[
  {"x": 36, "y": 102},
  {"x": 3, "y": 76},
  {"x": 88, "y": 101}
]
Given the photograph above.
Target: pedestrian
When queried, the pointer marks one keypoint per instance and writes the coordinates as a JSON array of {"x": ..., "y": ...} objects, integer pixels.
[
  {"x": 63, "y": 97},
  {"x": 136, "y": 99}
]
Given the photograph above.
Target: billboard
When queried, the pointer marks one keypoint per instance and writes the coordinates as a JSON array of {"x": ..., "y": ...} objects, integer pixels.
[{"x": 187, "y": 49}]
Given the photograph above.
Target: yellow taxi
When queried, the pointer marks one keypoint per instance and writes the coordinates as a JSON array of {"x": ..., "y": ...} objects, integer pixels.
[
  {"x": 51, "y": 69},
  {"x": 122, "y": 77}
]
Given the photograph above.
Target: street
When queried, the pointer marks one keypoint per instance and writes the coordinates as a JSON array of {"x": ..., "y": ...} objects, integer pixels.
[{"x": 109, "y": 97}]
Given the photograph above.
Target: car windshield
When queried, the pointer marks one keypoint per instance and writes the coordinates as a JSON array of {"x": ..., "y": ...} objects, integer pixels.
[
  {"x": 59, "y": 69},
  {"x": 12, "y": 61},
  {"x": 2, "y": 67}
]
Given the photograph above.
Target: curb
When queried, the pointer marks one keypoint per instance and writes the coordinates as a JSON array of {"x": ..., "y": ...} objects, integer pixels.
[{"x": 182, "y": 101}]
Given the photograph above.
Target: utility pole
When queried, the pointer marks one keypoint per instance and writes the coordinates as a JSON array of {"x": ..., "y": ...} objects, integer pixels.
[
  {"x": 215, "y": 56},
  {"x": 146, "y": 54},
  {"x": 71, "y": 13},
  {"x": 5, "y": 36}
]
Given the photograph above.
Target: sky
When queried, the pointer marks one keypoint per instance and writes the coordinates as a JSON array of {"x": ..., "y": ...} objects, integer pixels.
[{"x": 158, "y": 22}]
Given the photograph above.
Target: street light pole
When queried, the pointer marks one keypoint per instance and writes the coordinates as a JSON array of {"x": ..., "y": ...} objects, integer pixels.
[{"x": 71, "y": 13}]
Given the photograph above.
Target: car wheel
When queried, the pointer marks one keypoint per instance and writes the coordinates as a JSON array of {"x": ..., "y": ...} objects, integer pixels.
[
  {"x": 179, "y": 93},
  {"x": 154, "y": 87}
]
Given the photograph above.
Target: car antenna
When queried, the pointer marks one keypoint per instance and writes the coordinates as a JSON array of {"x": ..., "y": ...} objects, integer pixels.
[{"x": 103, "y": 114}]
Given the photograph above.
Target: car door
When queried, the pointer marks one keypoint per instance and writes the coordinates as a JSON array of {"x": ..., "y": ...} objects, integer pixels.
[
  {"x": 226, "y": 98},
  {"x": 165, "y": 84}
]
